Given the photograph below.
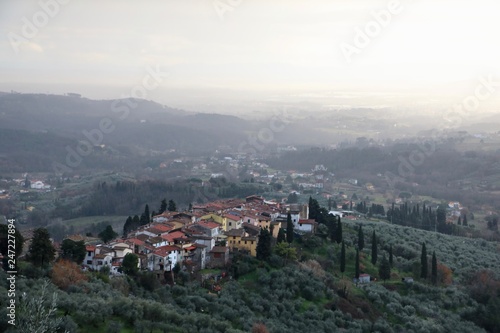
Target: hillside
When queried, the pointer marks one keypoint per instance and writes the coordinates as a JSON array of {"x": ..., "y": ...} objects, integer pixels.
[
  {"x": 305, "y": 295},
  {"x": 41, "y": 128}
]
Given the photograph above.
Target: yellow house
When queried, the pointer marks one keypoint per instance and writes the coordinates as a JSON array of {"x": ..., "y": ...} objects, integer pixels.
[
  {"x": 216, "y": 218},
  {"x": 240, "y": 240},
  {"x": 232, "y": 221},
  {"x": 265, "y": 222}
]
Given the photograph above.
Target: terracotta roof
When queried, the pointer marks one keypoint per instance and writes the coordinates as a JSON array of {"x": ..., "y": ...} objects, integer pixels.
[
  {"x": 155, "y": 240},
  {"x": 142, "y": 237},
  {"x": 232, "y": 217},
  {"x": 136, "y": 241},
  {"x": 90, "y": 248},
  {"x": 308, "y": 221},
  {"x": 209, "y": 224},
  {"x": 219, "y": 249},
  {"x": 235, "y": 233},
  {"x": 166, "y": 214},
  {"x": 170, "y": 237},
  {"x": 165, "y": 250}
]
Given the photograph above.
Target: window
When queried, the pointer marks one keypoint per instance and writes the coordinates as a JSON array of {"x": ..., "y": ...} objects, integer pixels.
[
  {"x": 89, "y": 262},
  {"x": 89, "y": 253},
  {"x": 239, "y": 242},
  {"x": 99, "y": 262},
  {"x": 245, "y": 242}
]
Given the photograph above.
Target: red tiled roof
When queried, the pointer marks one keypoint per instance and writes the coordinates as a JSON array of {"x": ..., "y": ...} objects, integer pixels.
[
  {"x": 209, "y": 224},
  {"x": 136, "y": 241},
  {"x": 170, "y": 237},
  {"x": 232, "y": 217},
  {"x": 90, "y": 248},
  {"x": 165, "y": 250},
  {"x": 309, "y": 221},
  {"x": 163, "y": 227},
  {"x": 153, "y": 230}
]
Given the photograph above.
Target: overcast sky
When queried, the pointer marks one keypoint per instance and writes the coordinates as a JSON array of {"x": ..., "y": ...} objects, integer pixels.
[{"x": 264, "y": 45}]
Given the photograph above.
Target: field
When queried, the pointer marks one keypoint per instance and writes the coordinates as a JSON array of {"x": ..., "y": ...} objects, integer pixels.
[{"x": 81, "y": 223}]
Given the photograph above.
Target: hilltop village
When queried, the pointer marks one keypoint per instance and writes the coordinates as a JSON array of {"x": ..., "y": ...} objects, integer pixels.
[{"x": 204, "y": 237}]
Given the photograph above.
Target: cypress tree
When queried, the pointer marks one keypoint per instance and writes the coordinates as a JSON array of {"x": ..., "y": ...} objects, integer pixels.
[
  {"x": 459, "y": 222},
  {"x": 442, "y": 227},
  {"x": 146, "y": 213},
  {"x": 136, "y": 222},
  {"x": 289, "y": 228},
  {"x": 434, "y": 267},
  {"x": 332, "y": 227},
  {"x": 374, "y": 248},
  {"x": 264, "y": 244},
  {"x": 281, "y": 236},
  {"x": 143, "y": 220},
  {"x": 163, "y": 206},
  {"x": 423, "y": 262},
  {"x": 338, "y": 235},
  {"x": 41, "y": 252},
  {"x": 464, "y": 222},
  {"x": 342, "y": 258},
  {"x": 361, "y": 238},
  {"x": 384, "y": 270},
  {"x": 172, "y": 207},
  {"x": 356, "y": 266},
  {"x": 127, "y": 227}
]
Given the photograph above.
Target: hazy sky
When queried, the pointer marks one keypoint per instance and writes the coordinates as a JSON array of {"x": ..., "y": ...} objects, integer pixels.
[{"x": 266, "y": 45}]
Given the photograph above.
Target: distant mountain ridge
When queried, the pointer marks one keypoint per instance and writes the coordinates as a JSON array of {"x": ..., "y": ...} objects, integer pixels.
[{"x": 32, "y": 123}]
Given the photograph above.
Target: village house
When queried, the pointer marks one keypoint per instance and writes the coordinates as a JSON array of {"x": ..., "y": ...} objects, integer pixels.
[
  {"x": 163, "y": 259},
  {"x": 98, "y": 257},
  {"x": 307, "y": 225},
  {"x": 219, "y": 256},
  {"x": 244, "y": 239},
  {"x": 199, "y": 258},
  {"x": 208, "y": 228},
  {"x": 232, "y": 221},
  {"x": 39, "y": 185}
]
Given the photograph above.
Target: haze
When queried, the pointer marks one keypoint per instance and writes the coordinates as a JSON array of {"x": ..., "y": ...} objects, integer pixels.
[{"x": 429, "y": 53}]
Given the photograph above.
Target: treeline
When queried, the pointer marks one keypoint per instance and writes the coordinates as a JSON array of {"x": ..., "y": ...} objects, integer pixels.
[
  {"x": 413, "y": 216},
  {"x": 374, "y": 209},
  {"x": 126, "y": 197},
  {"x": 425, "y": 218}
]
